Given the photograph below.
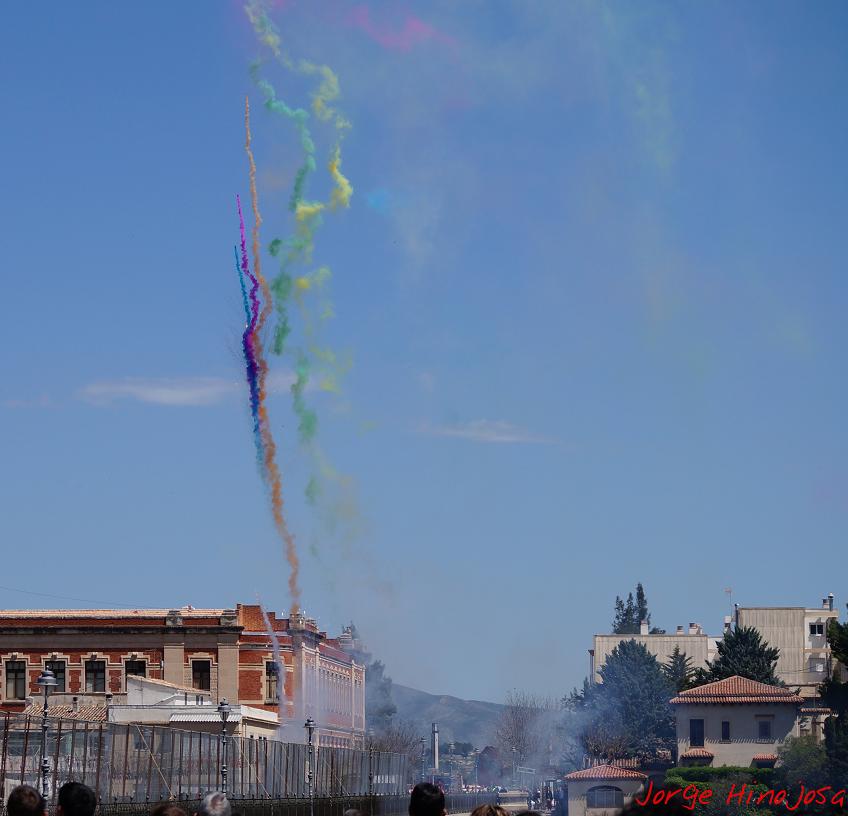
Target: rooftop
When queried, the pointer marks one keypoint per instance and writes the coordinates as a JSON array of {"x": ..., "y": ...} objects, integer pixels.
[
  {"x": 606, "y": 772},
  {"x": 737, "y": 690}
]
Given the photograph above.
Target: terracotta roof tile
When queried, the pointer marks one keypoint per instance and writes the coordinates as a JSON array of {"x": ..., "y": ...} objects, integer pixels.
[
  {"x": 764, "y": 758},
  {"x": 606, "y": 772},
  {"x": 697, "y": 753},
  {"x": 89, "y": 713},
  {"x": 737, "y": 690},
  {"x": 815, "y": 710}
]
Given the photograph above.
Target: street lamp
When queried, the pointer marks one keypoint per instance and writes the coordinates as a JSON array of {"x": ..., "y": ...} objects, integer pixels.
[
  {"x": 514, "y": 752},
  {"x": 224, "y": 710},
  {"x": 309, "y": 725},
  {"x": 423, "y": 755},
  {"x": 47, "y": 681}
]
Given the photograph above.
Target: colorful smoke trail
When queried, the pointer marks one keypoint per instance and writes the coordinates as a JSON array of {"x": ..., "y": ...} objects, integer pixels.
[
  {"x": 257, "y": 370},
  {"x": 297, "y": 249}
]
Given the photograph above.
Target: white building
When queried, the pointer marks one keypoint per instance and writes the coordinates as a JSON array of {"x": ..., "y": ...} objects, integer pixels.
[
  {"x": 603, "y": 790},
  {"x": 801, "y": 635},
  {"x": 694, "y": 642},
  {"x": 736, "y": 721}
]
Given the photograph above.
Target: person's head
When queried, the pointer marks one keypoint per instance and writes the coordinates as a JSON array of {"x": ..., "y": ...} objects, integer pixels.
[
  {"x": 26, "y": 801},
  {"x": 215, "y": 804},
  {"x": 489, "y": 810},
  {"x": 352, "y": 812},
  {"x": 168, "y": 809},
  {"x": 426, "y": 800},
  {"x": 76, "y": 799}
]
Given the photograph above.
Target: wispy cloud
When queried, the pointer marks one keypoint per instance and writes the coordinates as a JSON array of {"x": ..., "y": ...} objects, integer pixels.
[
  {"x": 412, "y": 32},
  {"x": 486, "y": 431},
  {"x": 174, "y": 391},
  {"x": 42, "y": 401}
]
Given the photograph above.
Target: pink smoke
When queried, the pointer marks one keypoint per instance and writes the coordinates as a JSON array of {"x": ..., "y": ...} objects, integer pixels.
[{"x": 413, "y": 32}]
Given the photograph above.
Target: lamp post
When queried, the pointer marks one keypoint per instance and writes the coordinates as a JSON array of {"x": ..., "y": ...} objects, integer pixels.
[
  {"x": 476, "y": 773},
  {"x": 309, "y": 725},
  {"x": 47, "y": 681},
  {"x": 514, "y": 752},
  {"x": 423, "y": 755},
  {"x": 224, "y": 710}
]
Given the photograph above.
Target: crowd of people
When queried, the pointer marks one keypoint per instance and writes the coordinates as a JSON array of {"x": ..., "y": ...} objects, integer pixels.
[{"x": 76, "y": 799}]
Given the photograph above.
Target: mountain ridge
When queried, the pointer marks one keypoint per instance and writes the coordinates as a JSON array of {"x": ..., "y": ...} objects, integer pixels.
[{"x": 473, "y": 721}]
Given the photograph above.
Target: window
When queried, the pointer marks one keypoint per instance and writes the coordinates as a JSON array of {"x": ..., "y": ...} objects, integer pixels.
[
  {"x": 201, "y": 674},
  {"x": 816, "y": 630},
  {"x": 604, "y": 796},
  {"x": 95, "y": 676},
  {"x": 725, "y": 730},
  {"x": 58, "y": 669},
  {"x": 16, "y": 684},
  {"x": 696, "y": 733},
  {"x": 271, "y": 674},
  {"x": 135, "y": 668},
  {"x": 764, "y": 729},
  {"x": 816, "y": 665}
]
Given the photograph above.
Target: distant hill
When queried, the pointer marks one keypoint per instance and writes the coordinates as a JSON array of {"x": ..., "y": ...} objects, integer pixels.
[{"x": 471, "y": 721}]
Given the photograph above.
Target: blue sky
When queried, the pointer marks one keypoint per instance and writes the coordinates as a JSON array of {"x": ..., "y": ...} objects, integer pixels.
[{"x": 590, "y": 285}]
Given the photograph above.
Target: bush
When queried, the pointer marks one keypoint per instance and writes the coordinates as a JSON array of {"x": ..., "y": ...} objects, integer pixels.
[{"x": 683, "y": 776}]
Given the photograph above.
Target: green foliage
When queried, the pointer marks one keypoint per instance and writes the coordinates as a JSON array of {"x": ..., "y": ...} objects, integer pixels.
[
  {"x": 679, "y": 670},
  {"x": 628, "y": 713},
  {"x": 835, "y": 695},
  {"x": 629, "y": 615},
  {"x": 754, "y": 776},
  {"x": 742, "y": 652},
  {"x": 802, "y": 760}
]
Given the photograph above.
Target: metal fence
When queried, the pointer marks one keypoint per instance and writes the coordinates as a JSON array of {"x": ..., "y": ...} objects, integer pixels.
[
  {"x": 146, "y": 763},
  {"x": 385, "y": 805}
]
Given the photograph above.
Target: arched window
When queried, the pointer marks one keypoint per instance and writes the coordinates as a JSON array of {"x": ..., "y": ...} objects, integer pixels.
[{"x": 604, "y": 796}]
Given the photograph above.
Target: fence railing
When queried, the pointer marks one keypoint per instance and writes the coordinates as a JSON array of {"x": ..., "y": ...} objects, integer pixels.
[
  {"x": 127, "y": 763},
  {"x": 385, "y": 805}
]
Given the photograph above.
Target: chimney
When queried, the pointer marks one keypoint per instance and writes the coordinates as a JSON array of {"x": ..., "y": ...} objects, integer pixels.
[
  {"x": 75, "y": 704},
  {"x": 824, "y": 603},
  {"x": 727, "y": 622},
  {"x": 830, "y": 601},
  {"x": 643, "y": 628},
  {"x": 693, "y": 628},
  {"x": 679, "y": 630}
]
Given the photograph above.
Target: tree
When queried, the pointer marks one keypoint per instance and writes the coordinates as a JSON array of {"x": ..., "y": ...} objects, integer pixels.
[
  {"x": 642, "y": 605},
  {"x": 628, "y": 714},
  {"x": 742, "y": 652},
  {"x": 802, "y": 760},
  {"x": 679, "y": 670},
  {"x": 630, "y": 614},
  {"x": 835, "y": 695},
  {"x": 524, "y": 725}
]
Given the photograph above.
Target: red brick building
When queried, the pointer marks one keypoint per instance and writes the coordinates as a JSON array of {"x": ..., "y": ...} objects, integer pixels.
[{"x": 229, "y": 652}]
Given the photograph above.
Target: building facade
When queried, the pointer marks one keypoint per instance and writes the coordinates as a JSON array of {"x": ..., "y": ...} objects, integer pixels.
[
  {"x": 801, "y": 635},
  {"x": 736, "y": 721},
  {"x": 603, "y": 790},
  {"x": 284, "y": 666},
  {"x": 694, "y": 642}
]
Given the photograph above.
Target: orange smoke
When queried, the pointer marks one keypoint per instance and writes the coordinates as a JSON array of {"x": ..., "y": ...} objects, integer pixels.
[{"x": 269, "y": 447}]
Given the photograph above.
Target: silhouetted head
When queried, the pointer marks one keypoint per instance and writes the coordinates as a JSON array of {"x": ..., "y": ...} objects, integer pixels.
[
  {"x": 426, "y": 800},
  {"x": 352, "y": 812},
  {"x": 168, "y": 809},
  {"x": 76, "y": 799},
  {"x": 215, "y": 804},
  {"x": 489, "y": 810},
  {"x": 26, "y": 801}
]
